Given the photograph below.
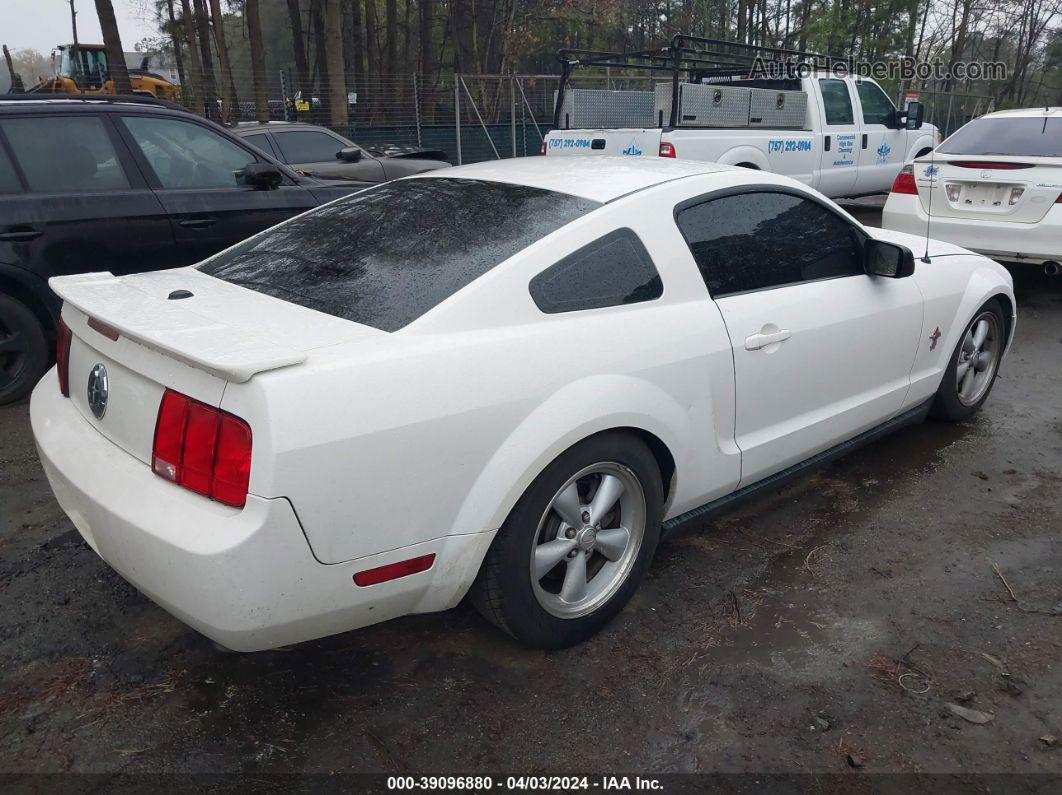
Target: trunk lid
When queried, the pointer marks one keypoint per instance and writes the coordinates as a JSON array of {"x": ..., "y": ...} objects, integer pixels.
[
  {"x": 629, "y": 142},
  {"x": 148, "y": 342},
  {"x": 992, "y": 188}
]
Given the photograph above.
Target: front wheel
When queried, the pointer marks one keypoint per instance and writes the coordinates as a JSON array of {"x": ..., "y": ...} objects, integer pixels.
[
  {"x": 576, "y": 545},
  {"x": 972, "y": 370}
]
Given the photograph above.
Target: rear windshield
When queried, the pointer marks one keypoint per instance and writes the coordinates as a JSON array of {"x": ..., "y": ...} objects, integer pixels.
[
  {"x": 385, "y": 256},
  {"x": 1024, "y": 137}
]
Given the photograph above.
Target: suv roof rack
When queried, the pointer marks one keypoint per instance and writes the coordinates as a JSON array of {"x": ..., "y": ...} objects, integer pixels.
[
  {"x": 139, "y": 99},
  {"x": 694, "y": 56}
]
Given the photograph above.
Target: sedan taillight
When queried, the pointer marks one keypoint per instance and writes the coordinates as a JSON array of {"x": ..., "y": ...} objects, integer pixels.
[
  {"x": 905, "y": 181},
  {"x": 62, "y": 356},
  {"x": 202, "y": 448}
]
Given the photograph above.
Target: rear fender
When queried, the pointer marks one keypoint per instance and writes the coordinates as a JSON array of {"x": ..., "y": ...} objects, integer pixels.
[
  {"x": 579, "y": 410},
  {"x": 745, "y": 154}
]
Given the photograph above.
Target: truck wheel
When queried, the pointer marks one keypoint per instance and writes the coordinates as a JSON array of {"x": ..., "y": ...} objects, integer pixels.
[
  {"x": 973, "y": 366},
  {"x": 576, "y": 545},
  {"x": 23, "y": 349}
]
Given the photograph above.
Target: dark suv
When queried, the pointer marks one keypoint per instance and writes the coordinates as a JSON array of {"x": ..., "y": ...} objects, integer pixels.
[{"x": 123, "y": 185}]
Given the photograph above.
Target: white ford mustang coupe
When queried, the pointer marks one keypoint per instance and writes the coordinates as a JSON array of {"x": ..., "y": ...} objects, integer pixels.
[{"x": 507, "y": 379}]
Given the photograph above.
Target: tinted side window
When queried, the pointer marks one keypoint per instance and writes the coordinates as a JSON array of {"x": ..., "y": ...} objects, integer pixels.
[
  {"x": 837, "y": 102},
  {"x": 261, "y": 141},
  {"x": 186, "y": 155},
  {"x": 611, "y": 271},
  {"x": 65, "y": 154},
  {"x": 8, "y": 178},
  {"x": 306, "y": 146},
  {"x": 877, "y": 108},
  {"x": 752, "y": 241}
]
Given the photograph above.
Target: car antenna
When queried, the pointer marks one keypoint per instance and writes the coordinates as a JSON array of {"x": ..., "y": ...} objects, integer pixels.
[{"x": 932, "y": 172}]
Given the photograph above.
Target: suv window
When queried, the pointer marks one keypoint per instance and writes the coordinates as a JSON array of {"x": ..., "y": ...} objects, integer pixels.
[
  {"x": 611, "y": 271},
  {"x": 307, "y": 146},
  {"x": 9, "y": 182},
  {"x": 187, "y": 155},
  {"x": 758, "y": 240},
  {"x": 877, "y": 108},
  {"x": 65, "y": 154},
  {"x": 836, "y": 101},
  {"x": 386, "y": 255}
]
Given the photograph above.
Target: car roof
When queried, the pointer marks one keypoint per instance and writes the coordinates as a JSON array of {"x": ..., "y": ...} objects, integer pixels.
[
  {"x": 259, "y": 126},
  {"x": 22, "y": 103},
  {"x": 1025, "y": 113},
  {"x": 600, "y": 178}
]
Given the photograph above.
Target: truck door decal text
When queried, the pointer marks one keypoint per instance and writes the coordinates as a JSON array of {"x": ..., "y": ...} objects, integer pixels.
[
  {"x": 788, "y": 145},
  {"x": 569, "y": 143},
  {"x": 845, "y": 149}
]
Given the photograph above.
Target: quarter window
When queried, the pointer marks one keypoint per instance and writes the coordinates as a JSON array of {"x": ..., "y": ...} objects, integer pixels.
[
  {"x": 260, "y": 141},
  {"x": 65, "y": 154},
  {"x": 306, "y": 146},
  {"x": 837, "y": 102},
  {"x": 759, "y": 240},
  {"x": 877, "y": 108},
  {"x": 187, "y": 155},
  {"x": 612, "y": 271}
]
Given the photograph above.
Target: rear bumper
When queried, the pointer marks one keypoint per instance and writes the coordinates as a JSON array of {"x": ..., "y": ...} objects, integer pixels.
[
  {"x": 243, "y": 577},
  {"x": 1032, "y": 244}
]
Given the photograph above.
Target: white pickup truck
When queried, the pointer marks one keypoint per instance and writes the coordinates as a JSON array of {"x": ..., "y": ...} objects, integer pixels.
[{"x": 853, "y": 141}]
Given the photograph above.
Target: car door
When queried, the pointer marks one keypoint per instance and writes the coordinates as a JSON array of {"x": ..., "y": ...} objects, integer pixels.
[
  {"x": 837, "y": 175},
  {"x": 197, "y": 174},
  {"x": 883, "y": 145},
  {"x": 85, "y": 205},
  {"x": 822, "y": 351},
  {"x": 314, "y": 152}
]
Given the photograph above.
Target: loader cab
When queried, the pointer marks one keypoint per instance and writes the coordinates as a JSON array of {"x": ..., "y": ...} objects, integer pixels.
[{"x": 87, "y": 66}]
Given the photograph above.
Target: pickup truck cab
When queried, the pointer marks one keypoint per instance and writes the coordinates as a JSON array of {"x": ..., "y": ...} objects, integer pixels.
[{"x": 853, "y": 140}]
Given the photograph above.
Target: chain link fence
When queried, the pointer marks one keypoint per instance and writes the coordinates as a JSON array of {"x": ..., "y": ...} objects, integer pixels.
[{"x": 470, "y": 118}]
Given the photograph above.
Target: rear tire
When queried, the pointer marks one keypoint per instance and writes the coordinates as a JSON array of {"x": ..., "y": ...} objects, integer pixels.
[
  {"x": 973, "y": 367},
  {"x": 577, "y": 544},
  {"x": 23, "y": 349}
]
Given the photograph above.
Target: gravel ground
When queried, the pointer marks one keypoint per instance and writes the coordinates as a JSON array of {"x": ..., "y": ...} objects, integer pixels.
[{"x": 826, "y": 625}]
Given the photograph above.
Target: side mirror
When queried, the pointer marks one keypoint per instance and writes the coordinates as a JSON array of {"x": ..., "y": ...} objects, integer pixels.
[
  {"x": 887, "y": 259},
  {"x": 349, "y": 154},
  {"x": 914, "y": 116},
  {"x": 263, "y": 176}
]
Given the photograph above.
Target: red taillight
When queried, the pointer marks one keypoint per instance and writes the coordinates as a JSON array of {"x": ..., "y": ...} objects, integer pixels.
[
  {"x": 989, "y": 164},
  {"x": 1059, "y": 199},
  {"x": 62, "y": 356},
  {"x": 667, "y": 149},
  {"x": 393, "y": 571},
  {"x": 905, "y": 181},
  {"x": 202, "y": 448}
]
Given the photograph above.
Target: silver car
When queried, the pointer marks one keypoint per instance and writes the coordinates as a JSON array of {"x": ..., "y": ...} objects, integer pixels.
[{"x": 325, "y": 154}]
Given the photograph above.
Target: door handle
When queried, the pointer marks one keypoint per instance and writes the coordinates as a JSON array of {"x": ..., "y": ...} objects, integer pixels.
[
  {"x": 762, "y": 340},
  {"x": 198, "y": 222},
  {"x": 20, "y": 234},
  {"x": 864, "y": 140}
]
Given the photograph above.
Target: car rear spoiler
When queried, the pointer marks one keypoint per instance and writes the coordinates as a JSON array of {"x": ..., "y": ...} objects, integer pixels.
[{"x": 158, "y": 319}]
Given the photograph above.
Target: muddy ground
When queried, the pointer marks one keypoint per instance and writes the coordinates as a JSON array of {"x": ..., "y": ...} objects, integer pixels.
[{"x": 834, "y": 619}]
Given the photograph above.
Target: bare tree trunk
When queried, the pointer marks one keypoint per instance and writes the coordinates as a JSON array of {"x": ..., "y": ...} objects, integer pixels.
[
  {"x": 254, "y": 35},
  {"x": 227, "y": 98},
  {"x": 113, "y": 42},
  {"x": 337, "y": 88},
  {"x": 391, "y": 9},
  {"x": 371, "y": 48},
  {"x": 195, "y": 87},
  {"x": 206, "y": 59},
  {"x": 358, "y": 34},
  {"x": 302, "y": 66},
  {"x": 176, "y": 40}
]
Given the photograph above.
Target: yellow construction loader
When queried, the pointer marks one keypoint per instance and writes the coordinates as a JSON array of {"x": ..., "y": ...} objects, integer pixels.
[{"x": 83, "y": 70}]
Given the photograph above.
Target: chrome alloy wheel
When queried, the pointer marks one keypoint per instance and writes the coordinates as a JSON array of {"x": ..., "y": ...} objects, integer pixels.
[
  {"x": 978, "y": 358},
  {"x": 588, "y": 540}
]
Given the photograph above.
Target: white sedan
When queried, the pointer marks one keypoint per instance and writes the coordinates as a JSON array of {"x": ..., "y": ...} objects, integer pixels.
[
  {"x": 994, "y": 186},
  {"x": 508, "y": 379}
]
